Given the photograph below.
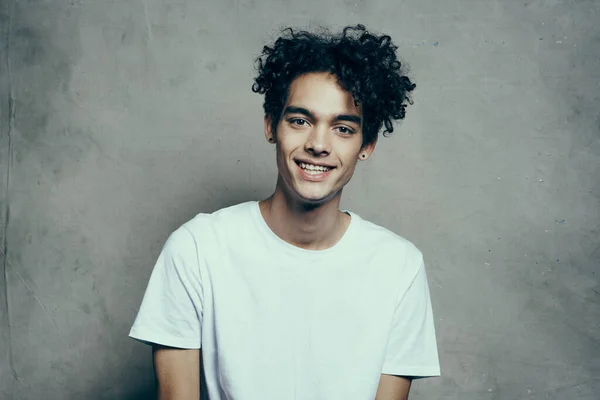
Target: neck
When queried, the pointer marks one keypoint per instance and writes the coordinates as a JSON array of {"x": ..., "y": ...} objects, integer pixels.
[{"x": 311, "y": 227}]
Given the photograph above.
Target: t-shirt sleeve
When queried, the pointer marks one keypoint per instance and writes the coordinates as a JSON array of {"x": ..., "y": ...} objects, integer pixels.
[
  {"x": 412, "y": 348},
  {"x": 171, "y": 310}
]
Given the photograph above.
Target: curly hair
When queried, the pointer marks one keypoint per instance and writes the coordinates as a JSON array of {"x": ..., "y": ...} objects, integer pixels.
[{"x": 363, "y": 63}]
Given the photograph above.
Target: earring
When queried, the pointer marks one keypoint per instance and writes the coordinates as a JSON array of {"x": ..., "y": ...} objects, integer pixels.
[
  {"x": 271, "y": 139},
  {"x": 363, "y": 155}
]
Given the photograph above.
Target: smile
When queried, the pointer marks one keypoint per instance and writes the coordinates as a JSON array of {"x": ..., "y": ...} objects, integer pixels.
[
  {"x": 312, "y": 172},
  {"x": 313, "y": 169}
]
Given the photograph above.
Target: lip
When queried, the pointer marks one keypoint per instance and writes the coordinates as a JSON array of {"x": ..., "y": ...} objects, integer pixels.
[
  {"x": 314, "y": 163},
  {"x": 315, "y": 177}
]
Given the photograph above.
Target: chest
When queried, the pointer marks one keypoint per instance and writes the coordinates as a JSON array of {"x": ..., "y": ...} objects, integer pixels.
[
  {"x": 297, "y": 326},
  {"x": 320, "y": 304}
]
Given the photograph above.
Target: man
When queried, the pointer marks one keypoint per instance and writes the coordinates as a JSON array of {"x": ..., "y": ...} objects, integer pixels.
[{"x": 289, "y": 297}]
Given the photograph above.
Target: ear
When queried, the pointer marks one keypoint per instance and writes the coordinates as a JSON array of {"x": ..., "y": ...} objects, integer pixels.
[
  {"x": 269, "y": 129},
  {"x": 367, "y": 150}
]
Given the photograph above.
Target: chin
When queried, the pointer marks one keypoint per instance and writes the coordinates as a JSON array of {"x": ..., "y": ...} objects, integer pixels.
[
  {"x": 305, "y": 194},
  {"x": 314, "y": 200},
  {"x": 315, "y": 197}
]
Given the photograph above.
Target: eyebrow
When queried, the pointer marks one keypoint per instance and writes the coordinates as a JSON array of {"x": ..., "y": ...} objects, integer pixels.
[{"x": 341, "y": 117}]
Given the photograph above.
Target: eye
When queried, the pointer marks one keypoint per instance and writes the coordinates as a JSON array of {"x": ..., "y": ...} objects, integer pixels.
[
  {"x": 345, "y": 130},
  {"x": 298, "y": 121}
]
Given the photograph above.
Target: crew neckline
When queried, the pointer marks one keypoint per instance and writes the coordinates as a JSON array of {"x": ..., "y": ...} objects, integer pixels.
[{"x": 342, "y": 243}]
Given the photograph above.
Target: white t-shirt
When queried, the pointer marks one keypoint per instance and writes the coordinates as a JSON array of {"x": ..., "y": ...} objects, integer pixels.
[{"x": 275, "y": 321}]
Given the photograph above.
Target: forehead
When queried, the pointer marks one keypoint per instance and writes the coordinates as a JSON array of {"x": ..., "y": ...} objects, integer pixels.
[{"x": 321, "y": 94}]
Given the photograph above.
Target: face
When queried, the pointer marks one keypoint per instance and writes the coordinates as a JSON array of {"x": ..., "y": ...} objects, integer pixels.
[{"x": 319, "y": 138}]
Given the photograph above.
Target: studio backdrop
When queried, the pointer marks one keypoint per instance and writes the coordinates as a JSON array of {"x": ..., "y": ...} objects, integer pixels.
[{"x": 120, "y": 120}]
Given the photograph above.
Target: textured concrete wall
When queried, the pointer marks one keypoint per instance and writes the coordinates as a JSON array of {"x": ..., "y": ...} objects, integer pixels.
[{"x": 120, "y": 120}]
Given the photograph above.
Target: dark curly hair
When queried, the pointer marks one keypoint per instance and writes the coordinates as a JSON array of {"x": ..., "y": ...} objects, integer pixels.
[{"x": 363, "y": 63}]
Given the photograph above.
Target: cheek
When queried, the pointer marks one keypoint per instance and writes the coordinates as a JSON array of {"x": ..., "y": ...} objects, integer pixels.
[
  {"x": 283, "y": 156},
  {"x": 285, "y": 148},
  {"x": 350, "y": 163},
  {"x": 350, "y": 156},
  {"x": 279, "y": 157}
]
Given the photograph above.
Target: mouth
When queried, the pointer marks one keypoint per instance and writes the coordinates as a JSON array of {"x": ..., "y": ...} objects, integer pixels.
[{"x": 312, "y": 172}]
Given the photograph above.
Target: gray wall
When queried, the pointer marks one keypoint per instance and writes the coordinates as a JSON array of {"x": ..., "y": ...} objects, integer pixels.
[{"x": 120, "y": 120}]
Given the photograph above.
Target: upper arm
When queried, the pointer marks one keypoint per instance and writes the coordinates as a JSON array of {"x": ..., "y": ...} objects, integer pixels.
[
  {"x": 412, "y": 348},
  {"x": 172, "y": 308},
  {"x": 177, "y": 372},
  {"x": 392, "y": 387}
]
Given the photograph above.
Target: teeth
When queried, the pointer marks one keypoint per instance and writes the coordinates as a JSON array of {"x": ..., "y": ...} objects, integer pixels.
[{"x": 310, "y": 167}]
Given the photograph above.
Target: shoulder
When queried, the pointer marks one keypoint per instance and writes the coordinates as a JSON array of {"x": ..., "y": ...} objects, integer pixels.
[
  {"x": 205, "y": 226},
  {"x": 397, "y": 249},
  {"x": 201, "y": 235}
]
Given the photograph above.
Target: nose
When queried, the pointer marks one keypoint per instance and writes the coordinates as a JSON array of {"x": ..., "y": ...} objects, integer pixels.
[{"x": 318, "y": 141}]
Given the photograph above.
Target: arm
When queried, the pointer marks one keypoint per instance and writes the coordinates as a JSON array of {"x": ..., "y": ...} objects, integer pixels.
[
  {"x": 177, "y": 372},
  {"x": 412, "y": 349},
  {"x": 392, "y": 387}
]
